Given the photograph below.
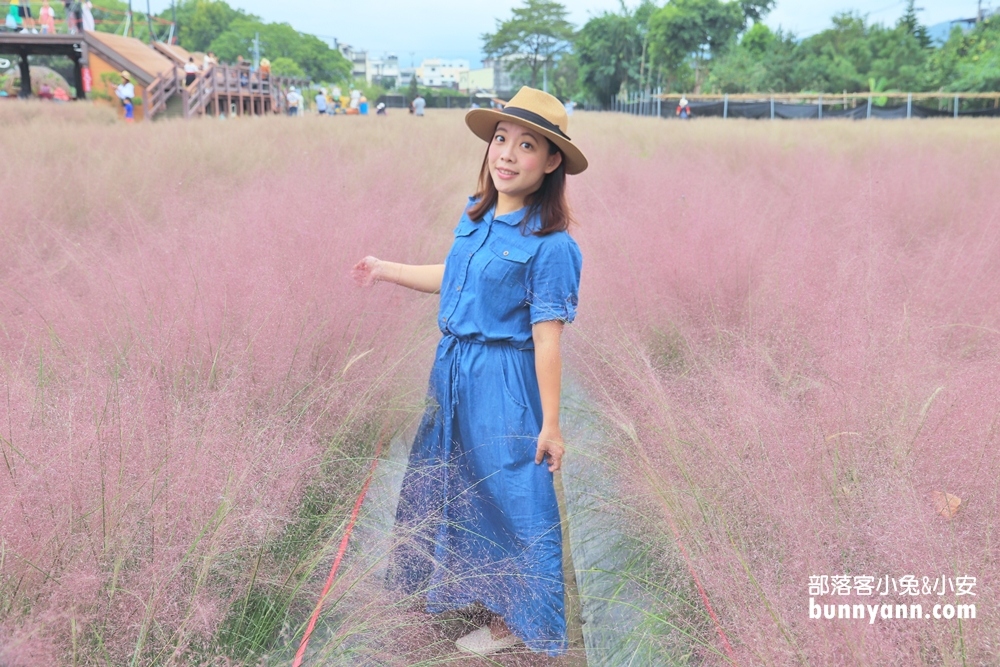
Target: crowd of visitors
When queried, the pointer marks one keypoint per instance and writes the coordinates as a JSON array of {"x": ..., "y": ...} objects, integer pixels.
[
  {"x": 332, "y": 102},
  {"x": 79, "y": 17}
]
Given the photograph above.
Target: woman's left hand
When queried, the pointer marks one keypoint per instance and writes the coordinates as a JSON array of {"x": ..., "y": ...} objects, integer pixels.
[{"x": 550, "y": 446}]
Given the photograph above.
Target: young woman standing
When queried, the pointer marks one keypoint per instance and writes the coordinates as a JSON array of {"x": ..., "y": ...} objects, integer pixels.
[{"x": 478, "y": 506}]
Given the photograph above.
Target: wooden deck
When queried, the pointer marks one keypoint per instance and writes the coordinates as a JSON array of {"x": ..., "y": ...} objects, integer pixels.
[
  {"x": 220, "y": 89},
  {"x": 159, "y": 69}
]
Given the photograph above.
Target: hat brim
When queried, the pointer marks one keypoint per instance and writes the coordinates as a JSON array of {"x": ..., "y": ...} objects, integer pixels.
[{"x": 483, "y": 123}]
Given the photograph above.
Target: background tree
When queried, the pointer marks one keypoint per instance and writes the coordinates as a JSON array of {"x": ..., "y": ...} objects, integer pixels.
[
  {"x": 611, "y": 49},
  {"x": 911, "y": 24},
  {"x": 763, "y": 60},
  {"x": 564, "y": 82},
  {"x": 696, "y": 29},
  {"x": 282, "y": 66},
  {"x": 200, "y": 22},
  {"x": 968, "y": 62},
  {"x": 532, "y": 38},
  {"x": 212, "y": 25},
  {"x": 721, "y": 45},
  {"x": 756, "y": 10},
  {"x": 838, "y": 58}
]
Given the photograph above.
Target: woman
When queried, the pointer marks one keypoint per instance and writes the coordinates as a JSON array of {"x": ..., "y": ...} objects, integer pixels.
[
  {"x": 190, "y": 71},
  {"x": 125, "y": 92},
  {"x": 480, "y": 509}
]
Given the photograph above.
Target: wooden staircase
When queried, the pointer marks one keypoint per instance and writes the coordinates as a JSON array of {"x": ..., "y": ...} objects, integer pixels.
[{"x": 221, "y": 89}]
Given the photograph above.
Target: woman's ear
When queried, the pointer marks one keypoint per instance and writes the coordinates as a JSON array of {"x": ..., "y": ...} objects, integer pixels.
[{"x": 555, "y": 159}]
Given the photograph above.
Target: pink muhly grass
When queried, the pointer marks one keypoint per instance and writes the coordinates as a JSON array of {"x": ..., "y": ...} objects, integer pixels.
[
  {"x": 795, "y": 328},
  {"x": 182, "y": 348},
  {"x": 768, "y": 311}
]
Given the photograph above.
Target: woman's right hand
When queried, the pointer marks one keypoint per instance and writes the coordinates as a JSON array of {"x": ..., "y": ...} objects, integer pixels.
[{"x": 367, "y": 272}]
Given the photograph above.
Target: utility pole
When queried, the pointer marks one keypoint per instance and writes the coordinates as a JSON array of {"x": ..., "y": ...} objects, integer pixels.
[
  {"x": 149, "y": 22},
  {"x": 256, "y": 51},
  {"x": 128, "y": 27},
  {"x": 173, "y": 18},
  {"x": 979, "y": 11}
]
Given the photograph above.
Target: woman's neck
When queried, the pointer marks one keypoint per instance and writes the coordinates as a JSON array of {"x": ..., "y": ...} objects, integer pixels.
[{"x": 508, "y": 204}]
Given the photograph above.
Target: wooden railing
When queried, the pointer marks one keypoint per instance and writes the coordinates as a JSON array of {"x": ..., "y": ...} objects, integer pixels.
[
  {"x": 218, "y": 81},
  {"x": 199, "y": 94},
  {"x": 159, "y": 91}
]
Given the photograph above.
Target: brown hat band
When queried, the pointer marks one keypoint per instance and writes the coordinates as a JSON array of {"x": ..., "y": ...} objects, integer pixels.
[{"x": 533, "y": 117}]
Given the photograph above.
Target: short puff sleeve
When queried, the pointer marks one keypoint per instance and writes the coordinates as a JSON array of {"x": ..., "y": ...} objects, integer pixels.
[{"x": 554, "y": 279}]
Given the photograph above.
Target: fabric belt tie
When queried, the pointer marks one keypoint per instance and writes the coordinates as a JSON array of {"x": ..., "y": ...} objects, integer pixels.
[{"x": 454, "y": 349}]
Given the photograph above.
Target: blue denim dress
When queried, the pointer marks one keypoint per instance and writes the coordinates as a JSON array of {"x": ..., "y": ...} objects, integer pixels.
[{"x": 477, "y": 519}]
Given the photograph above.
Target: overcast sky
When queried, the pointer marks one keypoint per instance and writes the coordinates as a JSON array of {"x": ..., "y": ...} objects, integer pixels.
[{"x": 417, "y": 29}]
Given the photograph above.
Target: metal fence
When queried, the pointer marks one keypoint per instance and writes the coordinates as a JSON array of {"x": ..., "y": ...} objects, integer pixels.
[{"x": 809, "y": 105}]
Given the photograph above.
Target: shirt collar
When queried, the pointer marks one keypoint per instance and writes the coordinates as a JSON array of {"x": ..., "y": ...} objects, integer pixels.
[{"x": 513, "y": 218}]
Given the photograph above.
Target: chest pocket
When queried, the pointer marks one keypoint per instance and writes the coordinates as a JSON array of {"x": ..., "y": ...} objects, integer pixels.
[
  {"x": 507, "y": 267},
  {"x": 464, "y": 241}
]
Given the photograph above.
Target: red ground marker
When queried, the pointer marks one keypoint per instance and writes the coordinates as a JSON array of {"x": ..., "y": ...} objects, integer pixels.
[
  {"x": 340, "y": 553},
  {"x": 701, "y": 591}
]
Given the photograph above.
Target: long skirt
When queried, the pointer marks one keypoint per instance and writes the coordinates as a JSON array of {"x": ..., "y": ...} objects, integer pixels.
[{"x": 478, "y": 519}]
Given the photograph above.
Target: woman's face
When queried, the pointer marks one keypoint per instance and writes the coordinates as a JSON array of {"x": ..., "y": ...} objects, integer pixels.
[{"x": 519, "y": 159}]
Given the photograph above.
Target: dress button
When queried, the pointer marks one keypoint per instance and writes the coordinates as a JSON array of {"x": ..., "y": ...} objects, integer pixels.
[
  {"x": 505, "y": 252},
  {"x": 458, "y": 289}
]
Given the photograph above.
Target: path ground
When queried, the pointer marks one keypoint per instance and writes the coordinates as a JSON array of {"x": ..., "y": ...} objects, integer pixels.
[{"x": 602, "y": 611}]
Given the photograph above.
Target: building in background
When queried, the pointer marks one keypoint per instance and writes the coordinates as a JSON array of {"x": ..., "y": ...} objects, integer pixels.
[
  {"x": 358, "y": 60},
  {"x": 384, "y": 71},
  {"x": 406, "y": 75},
  {"x": 478, "y": 80},
  {"x": 438, "y": 73},
  {"x": 503, "y": 85}
]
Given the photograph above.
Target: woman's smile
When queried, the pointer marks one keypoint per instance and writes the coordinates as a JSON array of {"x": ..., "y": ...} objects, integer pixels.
[{"x": 505, "y": 173}]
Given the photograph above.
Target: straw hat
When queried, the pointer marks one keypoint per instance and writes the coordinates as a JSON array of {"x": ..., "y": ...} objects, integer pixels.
[
  {"x": 126, "y": 75},
  {"x": 535, "y": 109}
]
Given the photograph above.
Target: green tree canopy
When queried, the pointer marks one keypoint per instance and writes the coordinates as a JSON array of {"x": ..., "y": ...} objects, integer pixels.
[
  {"x": 611, "y": 51},
  {"x": 212, "y": 25},
  {"x": 200, "y": 22},
  {"x": 282, "y": 66},
  {"x": 762, "y": 61},
  {"x": 722, "y": 45},
  {"x": 696, "y": 29},
  {"x": 536, "y": 34},
  {"x": 969, "y": 62}
]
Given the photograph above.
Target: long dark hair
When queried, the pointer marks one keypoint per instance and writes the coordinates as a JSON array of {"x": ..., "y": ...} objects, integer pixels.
[{"x": 549, "y": 200}]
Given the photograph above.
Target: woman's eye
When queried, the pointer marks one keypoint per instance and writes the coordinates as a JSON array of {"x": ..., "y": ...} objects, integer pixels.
[
  {"x": 525, "y": 145},
  {"x": 498, "y": 138}
]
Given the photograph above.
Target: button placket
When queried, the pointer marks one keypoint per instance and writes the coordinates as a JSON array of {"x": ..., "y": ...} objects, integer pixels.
[{"x": 463, "y": 276}]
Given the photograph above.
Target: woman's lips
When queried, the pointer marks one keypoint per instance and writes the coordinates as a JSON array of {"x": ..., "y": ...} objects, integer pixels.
[{"x": 505, "y": 174}]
